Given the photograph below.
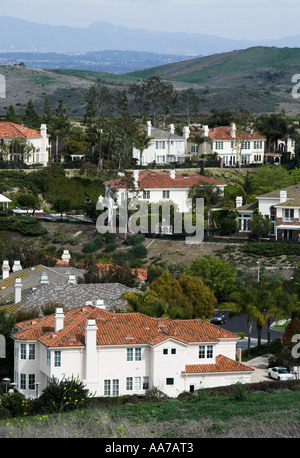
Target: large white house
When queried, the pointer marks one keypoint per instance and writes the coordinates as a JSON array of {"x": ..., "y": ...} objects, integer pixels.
[
  {"x": 38, "y": 140},
  {"x": 282, "y": 207},
  {"x": 164, "y": 147},
  {"x": 155, "y": 186},
  {"x": 231, "y": 145},
  {"x": 124, "y": 353}
]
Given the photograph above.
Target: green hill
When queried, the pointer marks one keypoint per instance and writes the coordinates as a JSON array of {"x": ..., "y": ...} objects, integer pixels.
[{"x": 258, "y": 78}]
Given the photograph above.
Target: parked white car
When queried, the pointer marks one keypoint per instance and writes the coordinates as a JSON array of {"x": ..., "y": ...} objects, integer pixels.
[{"x": 280, "y": 373}]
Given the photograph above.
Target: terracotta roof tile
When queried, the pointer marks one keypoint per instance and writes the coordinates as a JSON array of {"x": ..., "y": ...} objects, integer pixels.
[
  {"x": 223, "y": 364},
  {"x": 114, "y": 329},
  {"x": 223, "y": 133},
  {"x": 12, "y": 130},
  {"x": 155, "y": 180}
]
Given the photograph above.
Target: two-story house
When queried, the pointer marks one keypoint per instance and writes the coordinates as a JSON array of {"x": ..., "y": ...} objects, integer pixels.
[
  {"x": 124, "y": 353},
  {"x": 39, "y": 141},
  {"x": 160, "y": 186},
  {"x": 231, "y": 145},
  {"x": 282, "y": 207},
  {"x": 165, "y": 147}
]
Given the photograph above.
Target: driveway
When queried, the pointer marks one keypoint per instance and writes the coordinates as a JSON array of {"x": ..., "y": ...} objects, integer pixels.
[{"x": 260, "y": 366}]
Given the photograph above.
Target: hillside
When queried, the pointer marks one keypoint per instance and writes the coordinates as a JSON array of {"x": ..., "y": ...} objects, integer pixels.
[{"x": 259, "y": 79}]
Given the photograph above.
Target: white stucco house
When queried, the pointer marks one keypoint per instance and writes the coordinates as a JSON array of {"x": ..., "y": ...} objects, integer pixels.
[
  {"x": 230, "y": 144},
  {"x": 124, "y": 353},
  {"x": 165, "y": 146},
  {"x": 155, "y": 186},
  {"x": 39, "y": 140},
  {"x": 282, "y": 207}
]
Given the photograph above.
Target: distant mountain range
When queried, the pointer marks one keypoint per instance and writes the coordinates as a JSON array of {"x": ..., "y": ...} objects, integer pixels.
[{"x": 21, "y": 35}]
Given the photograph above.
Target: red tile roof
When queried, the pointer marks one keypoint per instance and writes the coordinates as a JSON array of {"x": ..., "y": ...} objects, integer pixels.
[
  {"x": 224, "y": 133},
  {"x": 222, "y": 364},
  {"x": 105, "y": 268},
  {"x": 154, "y": 180},
  {"x": 118, "y": 329},
  {"x": 12, "y": 130}
]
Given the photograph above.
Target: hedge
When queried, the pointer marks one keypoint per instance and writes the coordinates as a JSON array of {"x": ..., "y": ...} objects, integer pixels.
[{"x": 27, "y": 225}]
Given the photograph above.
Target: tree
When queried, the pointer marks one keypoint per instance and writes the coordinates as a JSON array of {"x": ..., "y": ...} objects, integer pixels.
[
  {"x": 167, "y": 287},
  {"x": 199, "y": 296},
  {"x": 191, "y": 102},
  {"x": 212, "y": 196},
  {"x": 19, "y": 149},
  {"x": 147, "y": 303},
  {"x": 31, "y": 118},
  {"x": 141, "y": 142},
  {"x": 11, "y": 115},
  {"x": 62, "y": 205},
  {"x": 259, "y": 225},
  {"x": 28, "y": 201},
  {"x": 215, "y": 273}
]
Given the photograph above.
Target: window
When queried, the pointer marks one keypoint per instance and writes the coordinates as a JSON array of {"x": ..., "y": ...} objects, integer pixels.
[
  {"x": 31, "y": 381},
  {"x": 166, "y": 194},
  {"x": 146, "y": 194},
  {"x": 194, "y": 149},
  {"x": 245, "y": 145},
  {"x": 146, "y": 383},
  {"x": 160, "y": 145},
  {"x": 209, "y": 351},
  {"x": 202, "y": 351},
  {"x": 129, "y": 383},
  {"x": 115, "y": 387},
  {"x": 31, "y": 351},
  {"x": 173, "y": 351},
  {"x": 257, "y": 144},
  {"x": 288, "y": 214},
  {"x": 160, "y": 159},
  {"x": 48, "y": 357},
  {"x": 23, "y": 381},
  {"x": 137, "y": 383},
  {"x": 23, "y": 351},
  {"x": 57, "y": 358},
  {"x": 219, "y": 145},
  {"x": 165, "y": 351},
  {"x": 169, "y": 381},
  {"x": 137, "y": 354},
  {"x": 106, "y": 387}
]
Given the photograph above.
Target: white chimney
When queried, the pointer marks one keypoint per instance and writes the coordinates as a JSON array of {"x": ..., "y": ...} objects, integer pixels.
[
  {"x": 17, "y": 266},
  {"x": 72, "y": 279},
  {"x": 88, "y": 302},
  {"x": 66, "y": 256},
  {"x": 148, "y": 128},
  {"x": 172, "y": 174},
  {"x": 100, "y": 304},
  {"x": 186, "y": 132},
  {"x": 171, "y": 128},
  {"x": 18, "y": 290},
  {"x": 136, "y": 178},
  {"x": 233, "y": 130},
  {"x": 238, "y": 201},
  {"x": 283, "y": 196},
  {"x": 205, "y": 131},
  {"x": 5, "y": 270},
  {"x": 91, "y": 350},
  {"x": 44, "y": 278},
  {"x": 59, "y": 319}
]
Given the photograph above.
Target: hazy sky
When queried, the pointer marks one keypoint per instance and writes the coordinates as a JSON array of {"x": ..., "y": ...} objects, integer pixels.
[{"x": 240, "y": 19}]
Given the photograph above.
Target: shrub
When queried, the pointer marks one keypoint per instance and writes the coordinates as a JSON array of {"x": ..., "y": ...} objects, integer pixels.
[
  {"x": 63, "y": 396},
  {"x": 110, "y": 247},
  {"x": 16, "y": 404},
  {"x": 90, "y": 247},
  {"x": 139, "y": 251},
  {"x": 135, "y": 239}
]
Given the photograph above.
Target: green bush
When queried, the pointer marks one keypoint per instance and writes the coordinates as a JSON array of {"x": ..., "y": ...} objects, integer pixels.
[
  {"x": 134, "y": 239},
  {"x": 90, "y": 247},
  {"x": 17, "y": 404},
  {"x": 26, "y": 226},
  {"x": 139, "y": 251},
  {"x": 110, "y": 247},
  {"x": 4, "y": 412},
  {"x": 63, "y": 396}
]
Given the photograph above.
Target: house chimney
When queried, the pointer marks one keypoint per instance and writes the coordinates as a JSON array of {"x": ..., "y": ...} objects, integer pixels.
[
  {"x": 238, "y": 201},
  {"x": 205, "y": 131},
  {"x": 17, "y": 266},
  {"x": 186, "y": 132},
  {"x": 72, "y": 279},
  {"x": 148, "y": 128},
  {"x": 171, "y": 129},
  {"x": 100, "y": 304},
  {"x": 59, "y": 319},
  {"x": 5, "y": 270},
  {"x": 233, "y": 130},
  {"x": 172, "y": 174},
  {"x": 66, "y": 256},
  {"x": 91, "y": 350},
  {"x": 283, "y": 196},
  {"x": 44, "y": 278},
  {"x": 18, "y": 290},
  {"x": 136, "y": 178}
]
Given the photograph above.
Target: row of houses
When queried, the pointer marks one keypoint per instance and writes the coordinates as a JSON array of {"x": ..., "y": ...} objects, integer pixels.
[{"x": 231, "y": 146}]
